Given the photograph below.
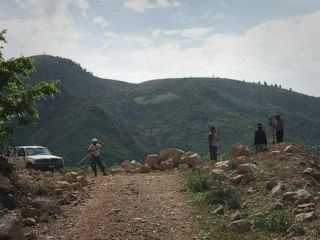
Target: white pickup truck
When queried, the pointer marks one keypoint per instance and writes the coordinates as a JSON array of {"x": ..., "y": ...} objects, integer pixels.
[{"x": 35, "y": 157}]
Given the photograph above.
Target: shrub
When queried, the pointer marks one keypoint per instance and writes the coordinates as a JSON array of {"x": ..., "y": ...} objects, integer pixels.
[
  {"x": 226, "y": 195},
  {"x": 277, "y": 221},
  {"x": 298, "y": 230},
  {"x": 199, "y": 181},
  {"x": 232, "y": 164}
]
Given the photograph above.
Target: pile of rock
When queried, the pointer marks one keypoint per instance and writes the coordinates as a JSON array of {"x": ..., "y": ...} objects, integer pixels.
[
  {"x": 169, "y": 159},
  {"x": 39, "y": 196},
  {"x": 242, "y": 164},
  {"x": 172, "y": 158}
]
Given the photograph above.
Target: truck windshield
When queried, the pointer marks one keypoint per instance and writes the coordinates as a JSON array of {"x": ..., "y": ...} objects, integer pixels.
[{"x": 37, "y": 151}]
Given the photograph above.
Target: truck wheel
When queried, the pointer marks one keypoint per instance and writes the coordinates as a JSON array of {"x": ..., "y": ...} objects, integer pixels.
[{"x": 29, "y": 166}]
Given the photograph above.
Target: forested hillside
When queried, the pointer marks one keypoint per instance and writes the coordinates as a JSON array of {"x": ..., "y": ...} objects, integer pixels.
[{"x": 144, "y": 118}]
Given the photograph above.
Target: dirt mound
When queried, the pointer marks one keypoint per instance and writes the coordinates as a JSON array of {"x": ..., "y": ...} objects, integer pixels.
[
  {"x": 33, "y": 196},
  {"x": 279, "y": 191}
]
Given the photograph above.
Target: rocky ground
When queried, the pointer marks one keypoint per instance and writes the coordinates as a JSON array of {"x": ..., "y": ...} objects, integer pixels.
[
  {"x": 128, "y": 206},
  {"x": 272, "y": 195}
]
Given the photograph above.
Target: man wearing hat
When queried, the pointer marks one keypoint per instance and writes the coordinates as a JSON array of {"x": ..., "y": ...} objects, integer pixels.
[
  {"x": 213, "y": 138},
  {"x": 94, "y": 150},
  {"x": 279, "y": 128},
  {"x": 260, "y": 139}
]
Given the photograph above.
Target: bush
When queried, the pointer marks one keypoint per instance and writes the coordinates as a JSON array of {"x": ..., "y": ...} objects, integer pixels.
[
  {"x": 226, "y": 195},
  {"x": 298, "y": 230},
  {"x": 199, "y": 181},
  {"x": 232, "y": 164},
  {"x": 276, "y": 222}
]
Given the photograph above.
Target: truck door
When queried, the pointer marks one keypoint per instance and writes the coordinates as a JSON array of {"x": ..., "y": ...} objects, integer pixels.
[{"x": 20, "y": 159}]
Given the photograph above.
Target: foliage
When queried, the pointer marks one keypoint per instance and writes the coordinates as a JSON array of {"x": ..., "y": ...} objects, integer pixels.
[
  {"x": 232, "y": 164},
  {"x": 175, "y": 113},
  {"x": 17, "y": 96},
  {"x": 199, "y": 181},
  {"x": 226, "y": 195},
  {"x": 277, "y": 221}
]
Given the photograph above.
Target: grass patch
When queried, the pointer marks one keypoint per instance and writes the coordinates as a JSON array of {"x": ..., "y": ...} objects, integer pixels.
[
  {"x": 226, "y": 195},
  {"x": 232, "y": 164},
  {"x": 276, "y": 222},
  {"x": 199, "y": 181}
]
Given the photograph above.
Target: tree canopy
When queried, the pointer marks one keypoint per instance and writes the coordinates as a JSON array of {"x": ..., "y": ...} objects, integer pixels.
[{"x": 18, "y": 95}]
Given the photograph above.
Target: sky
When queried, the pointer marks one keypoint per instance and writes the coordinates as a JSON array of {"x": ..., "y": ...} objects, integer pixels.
[{"x": 276, "y": 41}]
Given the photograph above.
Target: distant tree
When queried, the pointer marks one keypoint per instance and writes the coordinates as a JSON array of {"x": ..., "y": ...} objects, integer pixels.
[
  {"x": 265, "y": 83},
  {"x": 275, "y": 85},
  {"x": 290, "y": 89},
  {"x": 18, "y": 97},
  {"x": 259, "y": 83}
]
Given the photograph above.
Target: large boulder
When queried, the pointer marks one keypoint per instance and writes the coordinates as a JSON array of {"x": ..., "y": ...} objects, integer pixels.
[
  {"x": 70, "y": 177},
  {"x": 183, "y": 167},
  {"x": 131, "y": 166},
  {"x": 309, "y": 216},
  {"x": 240, "y": 225},
  {"x": 153, "y": 161},
  {"x": 145, "y": 169},
  {"x": 224, "y": 165},
  {"x": 83, "y": 180},
  {"x": 166, "y": 165},
  {"x": 239, "y": 150},
  {"x": 5, "y": 185},
  {"x": 301, "y": 196},
  {"x": 64, "y": 185},
  {"x": 191, "y": 160},
  {"x": 47, "y": 205},
  {"x": 30, "y": 213},
  {"x": 173, "y": 153},
  {"x": 10, "y": 228},
  {"x": 29, "y": 222},
  {"x": 242, "y": 160},
  {"x": 247, "y": 168}
]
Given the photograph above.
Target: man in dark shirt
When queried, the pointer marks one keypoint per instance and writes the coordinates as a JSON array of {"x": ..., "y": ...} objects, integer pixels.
[
  {"x": 213, "y": 139},
  {"x": 279, "y": 128},
  {"x": 260, "y": 139}
]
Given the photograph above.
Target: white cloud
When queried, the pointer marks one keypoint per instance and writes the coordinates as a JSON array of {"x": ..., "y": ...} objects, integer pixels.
[
  {"x": 196, "y": 33},
  {"x": 284, "y": 51},
  {"x": 49, "y": 28},
  {"x": 190, "y": 33},
  {"x": 99, "y": 20},
  {"x": 40, "y": 8},
  {"x": 143, "y": 5}
]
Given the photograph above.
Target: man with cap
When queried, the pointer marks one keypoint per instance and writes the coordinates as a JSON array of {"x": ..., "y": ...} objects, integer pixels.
[
  {"x": 260, "y": 139},
  {"x": 279, "y": 128},
  {"x": 213, "y": 143},
  {"x": 94, "y": 150}
]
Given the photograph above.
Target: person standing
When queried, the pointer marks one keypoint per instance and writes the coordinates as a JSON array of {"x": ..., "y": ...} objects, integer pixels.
[
  {"x": 94, "y": 150},
  {"x": 273, "y": 127},
  {"x": 279, "y": 128},
  {"x": 213, "y": 138},
  {"x": 260, "y": 139}
]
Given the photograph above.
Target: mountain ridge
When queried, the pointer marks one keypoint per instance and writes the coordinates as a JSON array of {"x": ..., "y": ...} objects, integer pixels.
[{"x": 176, "y": 112}]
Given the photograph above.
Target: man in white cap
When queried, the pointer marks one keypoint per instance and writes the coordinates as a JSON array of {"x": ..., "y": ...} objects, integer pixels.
[{"x": 94, "y": 150}]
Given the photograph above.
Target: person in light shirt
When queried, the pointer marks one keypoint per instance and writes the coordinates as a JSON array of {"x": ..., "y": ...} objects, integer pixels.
[{"x": 94, "y": 150}]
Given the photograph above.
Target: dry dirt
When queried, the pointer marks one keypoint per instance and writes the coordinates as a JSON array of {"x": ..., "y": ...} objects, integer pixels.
[{"x": 140, "y": 206}]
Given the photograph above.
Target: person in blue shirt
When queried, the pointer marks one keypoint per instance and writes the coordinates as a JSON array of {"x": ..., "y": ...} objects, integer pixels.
[{"x": 260, "y": 139}]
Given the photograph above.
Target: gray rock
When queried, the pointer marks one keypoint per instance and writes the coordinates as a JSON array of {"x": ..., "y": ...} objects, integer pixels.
[
  {"x": 29, "y": 222},
  {"x": 10, "y": 228},
  {"x": 240, "y": 225},
  {"x": 47, "y": 205}
]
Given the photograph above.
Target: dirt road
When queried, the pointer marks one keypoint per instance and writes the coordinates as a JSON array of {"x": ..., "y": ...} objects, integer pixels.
[{"x": 140, "y": 206}]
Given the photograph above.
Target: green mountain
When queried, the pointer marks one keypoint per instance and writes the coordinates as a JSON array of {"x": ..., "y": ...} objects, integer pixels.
[{"x": 147, "y": 117}]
